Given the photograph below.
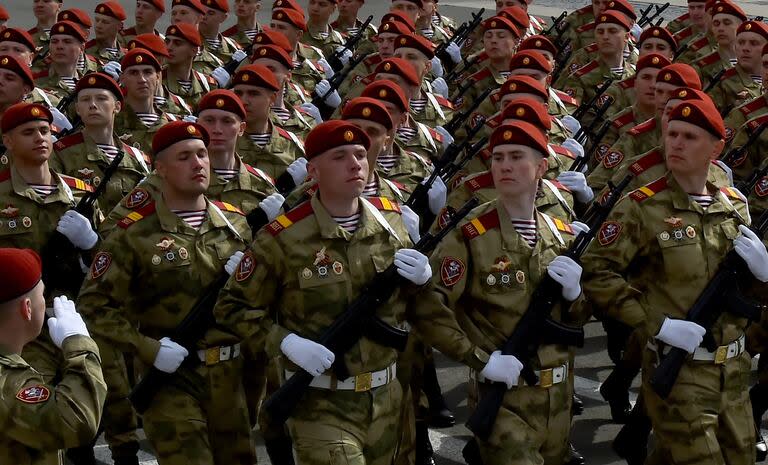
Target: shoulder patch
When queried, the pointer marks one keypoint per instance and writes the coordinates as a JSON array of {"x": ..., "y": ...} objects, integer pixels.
[
  {"x": 609, "y": 232},
  {"x": 259, "y": 173},
  {"x": 384, "y": 204},
  {"x": 729, "y": 73},
  {"x": 624, "y": 120},
  {"x": 451, "y": 271},
  {"x": 480, "y": 182},
  {"x": 69, "y": 141},
  {"x": 75, "y": 183},
  {"x": 732, "y": 193},
  {"x": 562, "y": 226},
  {"x": 713, "y": 57},
  {"x": 646, "y": 161},
  {"x": 100, "y": 265},
  {"x": 138, "y": 197},
  {"x": 566, "y": 98},
  {"x": 481, "y": 225},
  {"x": 684, "y": 33},
  {"x": 245, "y": 267},
  {"x": 753, "y": 106},
  {"x": 137, "y": 215},
  {"x": 227, "y": 207},
  {"x": 649, "y": 190},
  {"x": 643, "y": 127},
  {"x": 482, "y": 74},
  {"x": 285, "y": 221},
  {"x": 612, "y": 159},
  {"x": 34, "y": 394},
  {"x": 444, "y": 102},
  {"x": 562, "y": 151},
  {"x": 628, "y": 83},
  {"x": 587, "y": 68},
  {"x": 586, "y": 27}
]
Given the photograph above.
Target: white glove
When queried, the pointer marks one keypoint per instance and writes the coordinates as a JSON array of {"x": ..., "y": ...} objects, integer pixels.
[
  {"x": 222, "y": 76},
  {"x": 454, "y": 51},
  {"x": 327, "y": 68},
  {"x": 577, "y": 182},
  {"x": 571, "y": 123},
  {"x": 411, "y": 220},
  {"x": 503, "y": 369},
  {"x": 574, "y": 146},
  {"x": 312, "y": 357},
  {"x": 752, "y": 250},
  {"x": 440, "y": 87},
  {"x": 636, "y": 31},
  {"x": 333, "y": 99},
  {"x": 233, "y": 262},
  {"x": 682, "y": 334},
  {"x": 272, "y": 205},
  {"x": 579, "y": 227},
  {"x": 437, "y": 196},
  {"x": 78, "y": 230},
  {"x": 170, "y": 356},
  {"x": 447, "y": 137},
  {"x": 298, "y": 170},
  {"x": 60, "y": 120},
  {"x": 437, "y": 67},
  {"x": 190, "y": 119},
  {"x": 312, "y": 110},
  {"x": 345, "y": 56},
  {"x": 113, "y": 68},
  {"x": 567, "y": 273},
  {"x": 413, "y": 266},
  {"x": 239, "y": 55},
  {"x": 66, "y": 322}
]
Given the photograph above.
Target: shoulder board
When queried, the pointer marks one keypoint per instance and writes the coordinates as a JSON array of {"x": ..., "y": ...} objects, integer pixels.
[
  {"x": 562, "y": 226},
  {"x": 40, "y": 74},
  {"x": 33, "y": 30},
  {"x": 137, "y": 154},
  {"x": 137, "y": 215},
  {"x": 285, "y": 134},
  {"x": 646, "y": 161},
  {"x": 227, "y": 207},
  {"x": 753, "y": 106},
  {"x": 435, "y": 135},
  {"x": 562, "y": 151},
  {"x": 733, "y": 193},
  {"x": 699, "y": 43},
  {"x": 480, "y": 75},
  {"x": 683, "y": 17},
  {"x": 399, "y": 185},
  {"x": 91, "y": 58},
  {"x": 5, "y": 175},
  {"x": 444, "y": 102},
  {"x": 684, "y": 33},
  {"x": 131, "y": 31},
  {"x": 643, "y": 127},
  {"x": 285, "y": 221},
  {"x": 90, "y": 43},
  {"x": 374, "y": 59},
  {"x": 481, "y": 225},
  {"x": 583, "y": 10},
  {"x": 69, "y": 141},
  {"x": 76, "y": 183},
  {"x": 591, "y": 48},
  {"x": 587, "y": 68},
  {"x": 627, "y": 83},
  {"x": 566, "y": 98},
  {"x": 384, "y": 204},
  {"x": 480, "y": 182},
  {"x": 586, "y": 27},
  {"x": 230, "y": 32},
  {"x": 649, "y": 190},
  {"x": 624, "y": 120},
  {"x": 559, "y": 185},
  {"x": 211, "y": 80},
  {"x": 756, "y": 122},
  {"x": 259, "y": 173},
  {"x": 729, "y": 73}
]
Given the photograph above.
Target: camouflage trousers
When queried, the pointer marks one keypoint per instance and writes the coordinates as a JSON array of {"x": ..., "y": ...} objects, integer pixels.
[
  {"x": 707, "y": 418},
  {"x": 347, "y": 427},
  {"x": 210, "y": 427},
  {"x": 119, "y": 419},
  {"x": 532, "y": 427},
  {"x": 410, "y": 365}
]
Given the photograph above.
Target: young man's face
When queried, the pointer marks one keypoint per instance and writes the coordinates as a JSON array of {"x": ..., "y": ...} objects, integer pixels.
[
  {"x": 65, "y": 50},
  {"x": 698, "y": 14},
  {"x": 645, "y": 86},
  {"x": 212, "y": 20},
  {"x": 185, "y": 167},
  {"x": 106, "y": 27},
  {"x": 179, "y": 50},
  {"x": 45, "y": 9},
  {"x": 502, "y": 4},
  {"x": 420, "y": 62},
  {"x": 146, "y": 14},
  {"x": 247, "y": 9},
  {"x": 12, "y": 88},
  {"x": 341, "y": 172},
  {"x": 610, "y": 38},
  {"x": 140, "y": 81},
  {"x": 17, "y": 50},
  {"x": 410, "y": 9},
  {"x": 379, "y": 136},
  {"x": 30, "y": 143},
  {"x": 257, "y": 101},
  {"x": 516, "y": 169},
  {"x": 749, "y": 49},
  {"x": 292, "y": 33},
  {"x": 349, "y": 8},
  {"x": 724, "y": 28},
  {"x": 223, "y": 127},
  {"x": 499, "y": 44},
  {"x": 97, "y": 107},
  {"x": 185, "y": 14},
  {"x": 654, "y": 45},
  {"x": 320, "y": 10},
  {"x": 689, "y": 149}
]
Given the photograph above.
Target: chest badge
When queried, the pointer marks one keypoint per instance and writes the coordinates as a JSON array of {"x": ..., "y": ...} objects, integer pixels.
[
  {"x": 9, "y": 212},
  {"x": 690, "y": 231},
  {"x": 322, "y": 262},
  {"x": 85, "y": 173},
  {"x": 674, "y": 221},
  {"x": 451, "y": 271}
]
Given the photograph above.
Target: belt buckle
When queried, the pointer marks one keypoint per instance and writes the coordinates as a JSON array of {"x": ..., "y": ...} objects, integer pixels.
[
  {"x": 212, "y": 355},
  {"x": 546, "y": 378},
  {"x": 721, "y": 355},
  {"x": 363, "y": 382}
]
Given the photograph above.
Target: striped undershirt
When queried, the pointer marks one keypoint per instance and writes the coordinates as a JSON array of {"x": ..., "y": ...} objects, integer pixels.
[
  {"x": 194, "y": 218},
  {"x": 113, "y": 52},
  {"x": 704, "y": 200},
  {"x": 43, "y": 190},
  {"x": 261, "y": 139},
  {"x": 505, "y": 74},
  {"x": 406, "y": 134},
  {"x": 428, "y": 32},
  {"x": 758, "y": 79},
  {"x": 110, "y": 151},
  {"x": 296, "y": 64},
  {"x": 418, "y": 104},
  {"x": 617, "y": 70},
  {"x": 81, "y": 63},
  {"x": 323, "y": 35},
  {"x": 214, "y": 43},
  {"x": 225, "y": 174},
  {"x": 185, "y": 84},
  {"x": 436, "y": 19},
  {"x": 282, "y": 113},
  {"x": 353, "y": 30},
  {"x": 371, "y": 189},
  {"x": 348, "y": 223},
  {"x": 159, "y": 100},
  {"x": 733, "y": 61},
  {"x": 251, "y": 33},
  {"x": 387, "y": 162},
  {"x": 526, "y": 229},
  {"x": 69, "y": 81},
  {"x": 149, "y": 119}
]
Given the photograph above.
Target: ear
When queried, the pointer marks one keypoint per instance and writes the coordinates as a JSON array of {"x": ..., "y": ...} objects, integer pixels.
[
  {"x": 717, "y": 150},
  {"x": 8, "y": 142},
  {"x": 272, "y": 99},
  {"x": 241, "y": 131},
  {"x": 118, "y": 106},
  {"x": 25, "y": 309},
  {"x": 312, "y": 170}
]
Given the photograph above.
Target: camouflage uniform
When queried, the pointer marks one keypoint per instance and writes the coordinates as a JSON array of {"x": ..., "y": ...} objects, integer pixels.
[
  {"x": 622, "y": 94},
  {"x": 621, "y": 122},
  {"x": 735, "y": 88},
  {"x": 584, "y": 55},
  {"x": 273, "y": 159},
  {"x": 131, "y": 130},
  {"x": 684, "y": 35},
  {"x": 699, "y": 46},
  {"x": 171, "y": 103},
  {"x": 370, "y": 30},
  {"x": 205, "y": 62},
  {"x": 576, "y": 19},
  {"x": 307, "y": 75},
  {"x": 201, "y": 85},
  {"x": 127, "y": 35},
  {"x": 583, "y": 83},
  {"x": 679, "y": 23},
  {"x": 240, "y": 36},
  {"x": 51, "y": 82},
  {"x": 299, "y": 121},
  {"x": 327, "y": 45},
  {"x": 409, "y": 170},
  {"x": 480, "y": 81},
  {"x": 358, "y": 73},
  {"x": 427, "y": 142},
  {"x": 743, "y": 168},
  {"x": 226, "y": 49},
  {"x": 102, "y": 56},
  {"x": 737, "y": 117}
]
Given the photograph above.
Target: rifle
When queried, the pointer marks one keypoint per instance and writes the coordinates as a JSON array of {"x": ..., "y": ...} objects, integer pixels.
[
  {"x": 555, "y": 24},
  {"x": 644, "y": 13},
  {"x": 715, "y": 79},
  {"x": 462, "y": 116},
  {"x": 536, "y": 326},
  {"x": 335, "y": 59},
  {"x": 583, "y": 133},
  {"x": 588, "y": 105},
  {"x": 459, "y": 37},
  {"x": 456, "y": 71},
  {"x": 456, "y": 166},
  {"x": 563, "y": 55},
  {"x": 649, "y": 19},
  {"x": 737, "y": 153},
  {"x": 559, "y": 37},
  {"x": 351, "y": 325},
  {"x": 582, "y": 162},
  {"x": 232, "y": 65},
  {"x": 336, "y": 81}
]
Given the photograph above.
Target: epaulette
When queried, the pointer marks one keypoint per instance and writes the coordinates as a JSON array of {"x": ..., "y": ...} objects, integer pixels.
[
  {"x": 399, "y": 185},
  {"x": 624, "y": 120},
  {"x": 646, "y": 161},
  {"x": 649, "y": 190},
  {"x": 683, "y": 17},
  {"x": 367, "y": 79},
  {"x": 645, "y": 126},
  {"x": 562, "y": 151},
  {"x": 33, "y": 30},
  {"x": 566, "y": 98},
  {"x": 41, "y": 74},
  {"x": 137, "y": 215},
  {"x": 753, "y": 106},
  {"x": 444, "y": 102},
  {"x": 494, "y": 121},
  {"x": 586, "y": 27},
  {"x": 683, "y": 33},
  {"x": 93, "y": 59},
  {"x": 591, "y": 48},
  {"x": 481, "y": 225},
  {"x": 435, "y": 135},
  {"x": 559, "y": 185},
  {"x": 628, "y": 83},
  {"x": 729, "y": 73},
  {"x": 757, "y": 121},
  {"x": 480, "y": 182},
  {"x": 227, "y": 207},
  {"x": 698, "y": 44},
  {"x": 285, "y": 134},
  {"x": 562, "y": 226},
  {"x": 69, "y": 141},
  {"x": 230, "y": 32},
  {"x": 733, "y": 193},
  {"x": 583, "y": 10},
  {"x": 90, "y": 43},
  {"x": 285, "y": 221},
  {"x": 384, "y": 204},
  {"x": 259, "y": 173},
  {"x": 374, "y": 59},
  {"x": 592, "y": 65},
  {"x": 76, "y": 183},
  {"x": 131, "y": 31},
  {"x": 5, "y": 175},
  {"x": 210, "y": 80},
  {"x": 482, "y": 74}
]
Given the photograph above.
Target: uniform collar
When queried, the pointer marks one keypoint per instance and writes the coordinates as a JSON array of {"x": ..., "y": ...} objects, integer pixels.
[
  {"x": 62, "y": 194},
  {"x": 330, "y": 229}
]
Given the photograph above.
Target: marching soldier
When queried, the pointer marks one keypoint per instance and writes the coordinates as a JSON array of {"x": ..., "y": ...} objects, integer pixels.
[
  {"x": 214, "y": 42},
  {"x": 46, "y": 12},
  {"x": 147, "y": 14},
  {"x": 247, "y": 26},
  {"x": 726, "y": 19},
  {"x": 659, "y": 40},
  {"x": 347, "y": 23},
  {"x": 368, "y": 46},
  {"x": 77, "y": 16},
  {"x": 586, "y": 34},
  {"x": 320, "y": 34},
  {"x": 67, "y": 42},
  {"x": 427, "y": 28},
  {"x": 179, "y": 76},
  {"x": 105, "y": 47}
]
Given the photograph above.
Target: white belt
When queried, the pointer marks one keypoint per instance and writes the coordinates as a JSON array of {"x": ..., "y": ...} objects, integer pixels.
[
  {"x": 359, "y": 383},
  {"x": 214, "y": 355},
  {"x": 547, "y": 377},
  {"x": 718, "y": 357}
]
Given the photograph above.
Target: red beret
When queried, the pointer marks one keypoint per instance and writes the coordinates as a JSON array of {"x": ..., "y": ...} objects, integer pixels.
[
  {"x": 159, "y": 4},
  {"x": 418, "y": 3},
  {"x": 4, "y": 16},
  {"x": 288, "y": 5},
  {"x": 395, "y": 27},
  {"x": 500, "y": 22},
  {"x": 686, "y": 93},
  {"x": 537, "y": 42},
  {"x": 221, "y": 5},
  {"x": 701, "y": 113},
  {"x": 20, "y": 36},
  {"x": 76, "y": 15},
  {"x": 186, "y": 32},
  {"x": 20, "y": 113},
  {"x": 399, "y": 67},
  {"x": 292, "y": 17},
  {"x": 388, "y": 91},
  {"x": 177, "y": 131},
  {"x": 614, "y": 17},
  {"x": 520, "y": 133},
  {"x": 658, "y": 32},
  {"x": 758, "y": 27},
  {"x": 369, "y": 109},
  {"x": 530, "y": 59},
  {"x": 20, "y": 271},
  {"x": 152, "y": 42},
  {"x": 112, "y": 9},
  {"x": 69, "y": 28},
  {"x": 99, "y": 81},
  {"x": 140, "y": 57},
  {"x": 726, "y": 7},
  {"x": 222, "y": 99},
  {"x": 194, "y": 4},
  {"x": 256, "y": 75},
  {"x": 272, "y": 37},
  {"x": 679, "y": 75},
  {"x": 519, "y": 84},
  {"x": 398, "y": 16},
  {"x": 530, "y": 111},
  {"x": 331, "y": 134},
  {"x": 652, "y": 60},
  {"x": 273, "y": 52},
  {"x": 709, "y": 4},
  {"x": 517, "y": 15},
  {"x": 623, "y": 6},
  {"x": 420, "y": 43},
  {"x": 11, "y": 63}
]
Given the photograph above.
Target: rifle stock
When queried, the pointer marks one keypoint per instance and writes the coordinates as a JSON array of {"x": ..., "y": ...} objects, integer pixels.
[
  {"x": 336, "y": 81},
  {"x": 335, "y": 59},
  {"x": 737, "y": 152}
]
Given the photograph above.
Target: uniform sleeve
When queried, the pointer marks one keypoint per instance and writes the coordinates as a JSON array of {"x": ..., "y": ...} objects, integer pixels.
[{"x": 47, "y": 417}]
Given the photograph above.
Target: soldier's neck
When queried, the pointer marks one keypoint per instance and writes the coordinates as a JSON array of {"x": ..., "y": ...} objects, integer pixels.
[
  {"x": 339, "y": 206},
  {"x": 101, "y": 135},
  {"x": 257, "y": 126},
  {"x": 645, "y": 111},
  {"x": 144, "y": 29},
  {"x": 140, "y": 105},
  {"x": 346, "y": 22},
  {"x": 692, "y": 183},
  {"x": 46, "y": 23},
  {"x": 726, "y": 51},
  {"x": 107, "y": 43},
  {"x": 319, "y": 26},
  {"x": 208, "y": 32},
  {"x": 178, "y": 71},
  {"x": 424, "y": 22},
  {"x": 11, "y": 342},
  {"x": 222, "y": 159},
  {"x": 247, "y": 23},
  {"x": 500, "y": 65},
  {"x": 65, "y": 70},
  {"x": 34, "y": 173},
  {"x": 182, "y": 201},
  {"x": 613, "y": 60},
  {"x": 519, "y": 206}
]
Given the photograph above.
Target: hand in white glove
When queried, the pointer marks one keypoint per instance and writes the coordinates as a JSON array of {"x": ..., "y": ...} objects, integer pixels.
[
  {"x": 222, "y": 76},
  {"x": 170, "y": 356},
  {"x": 682, "y": 334},
  {"x": 636, "y": 31},
  {"x": 312, "y": 357},
  {"x": 113, "y": 68},
  {"x": 239, "y": 55},
  {"x": 571, "y": 123},
  {"x": 567, "y": 273},
  {"x": 437, "y": 67},
  {"x": 437, "y": 196},
  {"x": 233, "y": 262},
  {"x": 66, "y": 322},
  {"x": 190, "y": 119},
  {"x": 345, "y": 56},
  {"x": 579, "y": 227},
  {"x": 327, "y": 68},
  {"x": 333, "y": 99},
  {"x": 313, "y": 111},
  {"x": 60, "y": 120},
  {"x": 440, "y": 87},
  {"x": 503, "y": 369},
  {"x": 752, "y": 250},
  {"x": 78, "y": 230},
  {"x": 577, "y": 182},
  {"x": 413, "y": 266},
  {"x": 454, "y": 51},
  {"x": 298, "y": 170},
  {"x": 574, "y": 146},
  {"x": 272, "y": 205},
  {"x": 411, "y": 220},
  {"x": 445, "y": 135}
]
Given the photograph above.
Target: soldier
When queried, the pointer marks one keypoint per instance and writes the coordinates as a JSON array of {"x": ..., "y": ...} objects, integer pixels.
[
  {"x": 648, "y": 227},
  {"x": 45, "y": 12},
  {"x": 179, "y": 77},
  {"x": 449, "y": 24},
  {"x": 67, "y": 44},
  {"x": 368, "y": 46},
  {"x": 147, "y": 14},
  {"x": 348, "y": 24},
  {"x": 434, "y": 32},
  {"x": 691, "y": 24},
  {"x": 247, "y": 26},
  {"x": 218, "y": 44},
  {"x": 109, "y": 17},
  {"x": 726, "y": 19},
  {"x": 187, "y": 11},
  {"x": 77, "y": 16},
  {"x": 659, "y": 40},
  {"x": 291, "y": 24},
  {"x": 17, "y": 85},
  {"x": 320, "y": 34},
  {"x": 410, "y": 8},
  {"x": 42, "y": 417},
  {"x": 586, "y": 34}
]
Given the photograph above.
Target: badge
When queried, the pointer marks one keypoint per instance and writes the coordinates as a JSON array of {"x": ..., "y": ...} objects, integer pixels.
[
  {"x": 85, "y": 173},
  {"x": 170, "y": 256},
  {"x": 603, "y": 99},
  {"x": 4, "y": 159},
  {"x": 491, "y": 280},
  {"x": 729, "y": 133},
  {"x": 321, "y": 258},
  {"x": 322, "y": 271},
  {"x": 505, "y": 279},
  {"x": 34, "y": 394},
  {"x": 674, "y": 221},
  {"x": 165, "y": 243},
  {"x": 451, "y": 271},
  {"x": 602, "y": 149},
  {"x": 26, "y": 221},
  {"x": 678, "y": 234},
  {"x": 520, "y": 276},
  {"x": 612, "y": 159},
  {"x": 183, "y": 254},
  {"x": 96, "y": 181},
  {"x": 156, "y": 260},
  {"x": 338, "y": 268},
  {"x": 9, "y": 212},
  {"x": 761, "y": 188},
  {"x": 445, "y": 217},
  {"x": 136, "y": 198},
  {"x": 608, "y": 233},
  {"x": 245, "y": 267},
  {"x": 12, "y": 224},
  {"x": 100, "y": 265},
  {"x": 664, "y": 236},
  {"x": 501, "y": 264},
  {"x": 690, "y": 231},
  {"x": 306, "y": 273}
]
